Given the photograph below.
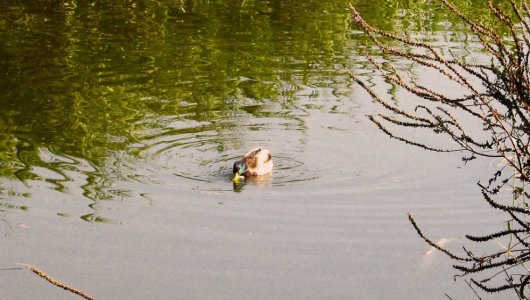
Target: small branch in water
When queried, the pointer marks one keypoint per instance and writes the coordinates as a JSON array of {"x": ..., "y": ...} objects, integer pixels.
[
  {"x": 58, "y": 283},
  {"x": 433, "y": 244},
  {"x": 471, "y": 287}
]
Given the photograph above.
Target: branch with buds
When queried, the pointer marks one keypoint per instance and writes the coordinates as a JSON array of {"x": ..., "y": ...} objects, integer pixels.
[{"x": 496, "y": 95}]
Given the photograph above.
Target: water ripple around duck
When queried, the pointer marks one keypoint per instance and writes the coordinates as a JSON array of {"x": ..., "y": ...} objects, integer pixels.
[{"x": 205, "y": 156}]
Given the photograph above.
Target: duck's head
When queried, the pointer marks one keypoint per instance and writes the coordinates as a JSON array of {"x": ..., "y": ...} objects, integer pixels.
[{"x": 240, "y": 167}]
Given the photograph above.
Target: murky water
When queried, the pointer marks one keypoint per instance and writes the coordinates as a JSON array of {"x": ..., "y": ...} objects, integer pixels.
[{"x": 119, "y": 124}]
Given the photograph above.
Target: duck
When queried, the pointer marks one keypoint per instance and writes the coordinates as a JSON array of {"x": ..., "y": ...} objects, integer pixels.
[{"x": 256, "y": 162}]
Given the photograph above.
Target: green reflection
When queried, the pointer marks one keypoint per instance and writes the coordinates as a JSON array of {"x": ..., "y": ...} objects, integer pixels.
[
  {"x": 4, "y": 205},
  {"x": 84, "y": 81},
  {"x": 95, "y": 219},
  {"x": 90, "y": 87}
]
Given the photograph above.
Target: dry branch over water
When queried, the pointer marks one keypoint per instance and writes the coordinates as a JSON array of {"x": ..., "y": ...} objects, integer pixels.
[
  {"x": 496, "y": 97},
  {"x": 55, "y": 282}
]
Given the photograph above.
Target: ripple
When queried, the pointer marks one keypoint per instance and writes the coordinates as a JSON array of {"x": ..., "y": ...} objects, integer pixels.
[
  {"x": 208, "y": 157},
  {"x": 289, "y": 171}
]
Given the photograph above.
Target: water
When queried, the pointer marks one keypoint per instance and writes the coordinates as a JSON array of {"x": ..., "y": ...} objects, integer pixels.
[{"x": 120, "y": 123}]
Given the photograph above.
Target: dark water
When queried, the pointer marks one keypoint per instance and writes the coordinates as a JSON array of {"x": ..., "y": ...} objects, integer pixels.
[{"x": 119, "y": 123}]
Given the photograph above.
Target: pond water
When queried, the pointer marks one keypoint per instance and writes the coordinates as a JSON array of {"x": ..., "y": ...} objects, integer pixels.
[{"x": 119, "y": 124}]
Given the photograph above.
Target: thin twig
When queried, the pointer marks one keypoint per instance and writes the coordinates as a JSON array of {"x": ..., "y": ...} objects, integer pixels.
[
  {"x": 474, "y": 291},
  {"x": 55, "y": 282},
  {"x": 433, "y": 244}
]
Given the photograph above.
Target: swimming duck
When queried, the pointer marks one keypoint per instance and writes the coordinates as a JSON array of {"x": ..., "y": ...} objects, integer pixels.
[{"x": 256, "y": 162}]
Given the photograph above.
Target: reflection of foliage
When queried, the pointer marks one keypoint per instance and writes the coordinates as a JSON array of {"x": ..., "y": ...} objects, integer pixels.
[
  {"x": 12, "y": 206},
  {"x": 497, "y": 96},
  {"x": 116, "y": 63},
  {"x": 85, "y": 80}
]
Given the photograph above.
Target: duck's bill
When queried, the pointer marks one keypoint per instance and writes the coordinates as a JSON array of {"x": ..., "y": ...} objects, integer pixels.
[{"x": 236, "y": 178}]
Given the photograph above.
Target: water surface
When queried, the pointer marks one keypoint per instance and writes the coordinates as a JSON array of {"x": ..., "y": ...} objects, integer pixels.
[{"x": 120, "y": 123}]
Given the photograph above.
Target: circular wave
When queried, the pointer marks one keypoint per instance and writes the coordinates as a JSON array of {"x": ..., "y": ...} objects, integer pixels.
[{"x": 205, "y": 157}]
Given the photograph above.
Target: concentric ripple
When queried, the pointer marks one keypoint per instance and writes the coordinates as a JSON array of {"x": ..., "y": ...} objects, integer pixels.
[{"x": 207, "y": 157}]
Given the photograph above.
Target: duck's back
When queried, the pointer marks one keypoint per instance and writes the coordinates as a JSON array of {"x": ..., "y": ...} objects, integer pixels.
[{"x": 259, "y": 162}]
